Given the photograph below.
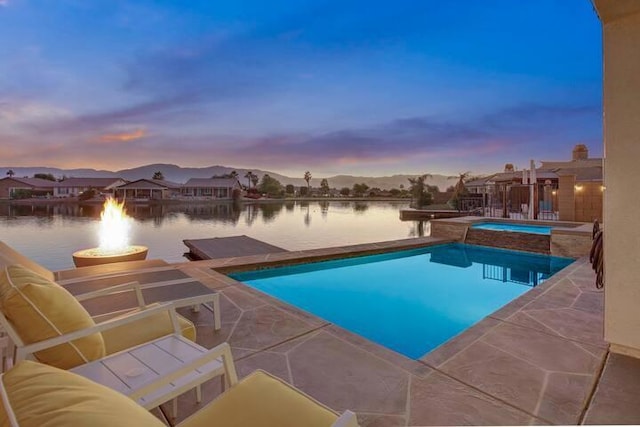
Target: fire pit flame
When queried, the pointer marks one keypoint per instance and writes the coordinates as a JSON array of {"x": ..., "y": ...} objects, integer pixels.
[
  {"x": 114, "y": 239},
  {"x": 114, "y": 228}
]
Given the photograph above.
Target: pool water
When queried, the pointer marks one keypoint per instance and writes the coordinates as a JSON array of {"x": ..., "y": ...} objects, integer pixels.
[
  {"x": 516, "y": 228},
  {"x": 409, "y": 301}
]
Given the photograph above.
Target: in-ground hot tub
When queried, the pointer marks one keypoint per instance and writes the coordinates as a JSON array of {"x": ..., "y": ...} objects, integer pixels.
[{"x": 513, "y": 227}]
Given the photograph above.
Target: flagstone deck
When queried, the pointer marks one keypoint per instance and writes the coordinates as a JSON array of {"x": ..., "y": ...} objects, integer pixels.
[{"x": 535, "y": 361}]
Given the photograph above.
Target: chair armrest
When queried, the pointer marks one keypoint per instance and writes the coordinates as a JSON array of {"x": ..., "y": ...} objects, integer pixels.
[
  {"x": 222, "y": 351},
  {"x": 125, "y": 287},
  {"x": 109, "y": 324}
]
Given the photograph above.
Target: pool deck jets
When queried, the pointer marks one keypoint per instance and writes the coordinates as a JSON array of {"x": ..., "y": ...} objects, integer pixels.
[{"x": 535, "y": 361}]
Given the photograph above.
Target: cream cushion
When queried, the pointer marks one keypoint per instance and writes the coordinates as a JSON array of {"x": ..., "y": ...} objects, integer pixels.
[
  {"x": 144, "y": 330},
  {"x": 44, "y": 396},
  {"x": 39, "y": 309},
  {"x": 262, "y": 400}
]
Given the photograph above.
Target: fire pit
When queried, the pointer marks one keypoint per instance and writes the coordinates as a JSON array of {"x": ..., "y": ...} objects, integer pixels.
[{"x": 114, "y": 239}]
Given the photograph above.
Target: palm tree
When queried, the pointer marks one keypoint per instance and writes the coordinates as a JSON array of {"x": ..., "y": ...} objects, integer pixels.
[
  {"x": 459, "y": 189},
  {"x": 307, "y": 177},
  {"x": 10, "y": 173},
  {"x": 233, "y": 174},
  {"x": 254, "y": 180},
  {"x": 248, "y": 175},
  {"x": 158, "y": 175}
]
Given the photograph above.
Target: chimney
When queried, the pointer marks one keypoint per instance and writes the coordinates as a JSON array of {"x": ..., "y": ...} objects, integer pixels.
[{"x": 580, "y": 152}]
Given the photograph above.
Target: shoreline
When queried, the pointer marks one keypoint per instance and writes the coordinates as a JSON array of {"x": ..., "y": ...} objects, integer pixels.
[{"x": 71, "y": 201}]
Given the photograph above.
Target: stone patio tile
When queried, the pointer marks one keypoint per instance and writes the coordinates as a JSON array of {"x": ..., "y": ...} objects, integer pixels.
[
  {"x": 242, "y": 299},
  {"x": 289, "y": 345},
  {"x": 617, "y": 396},
  {"x": 381, "y": 420},
  {"x": 573, "y": 324},
  {"x": 413, "y": 366},
  {"x": 563, "y": 294},
  {"x": 548, "y": 352},
  {"x": 523, "y": 318},
  {"x": 439, "y": 400},
  {"x": 513, "y": 307},
  {"x": 343, "y": 376},
  {"x": 458, "y": 343},
  {"x": 273, "y": 363},
  {"x": 266, "y": 326},
  {"x": 260, "y": 298},
  {"x": 591, "y": 302},
  {"x": 564, "y": 397},
  {"x": 498, "y": 374}
]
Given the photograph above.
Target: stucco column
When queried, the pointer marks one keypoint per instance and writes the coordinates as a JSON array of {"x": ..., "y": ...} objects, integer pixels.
[{"x": 621, "y": 41}]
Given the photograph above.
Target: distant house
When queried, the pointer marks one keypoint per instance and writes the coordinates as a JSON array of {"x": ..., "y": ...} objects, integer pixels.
[
  {"x": 151, "y": 189},
  {"x": 11, "y": 187},
  {"x": 72, "y": 187},
  {"x": 569, "y": 190},
  {"x": 215, "y": 188}
]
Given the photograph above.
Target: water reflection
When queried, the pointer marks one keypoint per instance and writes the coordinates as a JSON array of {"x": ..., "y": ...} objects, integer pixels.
[
  {"x": 50, "y": 232},
  {"x": 503, "y": 266}
]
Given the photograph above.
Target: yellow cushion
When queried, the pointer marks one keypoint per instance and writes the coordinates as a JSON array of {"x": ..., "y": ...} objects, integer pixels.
[
  {"x": 263, "y": 400},
  {"x": 145, "y": 330},
  {"x": 44, "y": 396},
  {"x": 39, "y": 309}
]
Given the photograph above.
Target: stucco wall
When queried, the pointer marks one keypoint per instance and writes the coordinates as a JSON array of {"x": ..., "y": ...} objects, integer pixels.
[{"x": 621, "y": 31}]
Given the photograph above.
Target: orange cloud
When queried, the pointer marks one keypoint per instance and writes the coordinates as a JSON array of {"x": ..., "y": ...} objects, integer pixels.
[{"x": 124, "y": 136}]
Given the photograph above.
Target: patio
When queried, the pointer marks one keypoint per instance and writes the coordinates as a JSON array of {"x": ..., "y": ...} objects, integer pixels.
[{"x": 538, "y": 360}]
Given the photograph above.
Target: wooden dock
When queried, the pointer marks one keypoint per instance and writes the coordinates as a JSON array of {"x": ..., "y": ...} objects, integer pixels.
[
  {"x": 427, "y": 214},
  {"x": 228, "y": 247}
]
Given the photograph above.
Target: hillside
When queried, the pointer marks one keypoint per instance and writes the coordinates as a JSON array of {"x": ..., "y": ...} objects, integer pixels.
[{"x": 181, "y": 174}]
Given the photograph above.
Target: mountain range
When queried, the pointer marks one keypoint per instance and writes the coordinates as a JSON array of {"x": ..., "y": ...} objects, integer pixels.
[{"x": 179, "y": 174}]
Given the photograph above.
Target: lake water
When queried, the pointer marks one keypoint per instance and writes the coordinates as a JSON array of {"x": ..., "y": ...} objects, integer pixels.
[{"x": 49, "y": 234}]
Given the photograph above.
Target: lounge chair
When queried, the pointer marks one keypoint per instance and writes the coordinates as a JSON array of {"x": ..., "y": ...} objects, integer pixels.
[
  {"x": 73, "y": 279},
  {"x": 37, "y": 313},
  {"x": 38, "y": 395}
]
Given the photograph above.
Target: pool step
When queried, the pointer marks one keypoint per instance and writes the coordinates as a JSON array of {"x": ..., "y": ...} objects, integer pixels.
[{"x": 538, "y": 243}]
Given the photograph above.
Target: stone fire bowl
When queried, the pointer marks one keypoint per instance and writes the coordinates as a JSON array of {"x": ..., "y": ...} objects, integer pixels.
[{"x": 89, "y": 257}]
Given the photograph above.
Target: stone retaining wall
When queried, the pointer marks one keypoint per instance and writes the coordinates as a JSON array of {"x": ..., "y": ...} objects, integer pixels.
[
  {"x": 572, "y": 245},
  {"x": 538, "y": 243}
]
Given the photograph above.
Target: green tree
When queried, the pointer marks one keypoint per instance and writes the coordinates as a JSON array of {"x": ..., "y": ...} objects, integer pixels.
[
  {"x": 289, "y": 189},
  {"x": 270, "y": 186},
  {"x": 158, "y": 175},
  {"x": 255, "y": 179},
  {"x": 324, "y": 186},
  {"x": 418, "y": 189},
  {"x": 345, "y": 191},
  {"x": 459, "y": 190},
  {"x": 10, "y": 173},
  {"x": 360, "y": 190},
  {"x": 307, "y": 177},
  {"x": 47, "y": 176},
  {"x": 304, "y": 191}
]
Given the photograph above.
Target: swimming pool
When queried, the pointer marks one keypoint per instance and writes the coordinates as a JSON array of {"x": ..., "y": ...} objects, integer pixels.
[
  {"x": 516, "y": 228},
  {"x": 409, "y": 301}
]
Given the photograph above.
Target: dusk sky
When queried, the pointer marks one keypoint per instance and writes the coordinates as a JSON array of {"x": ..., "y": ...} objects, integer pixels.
[{"x": 353, "y": 87}]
